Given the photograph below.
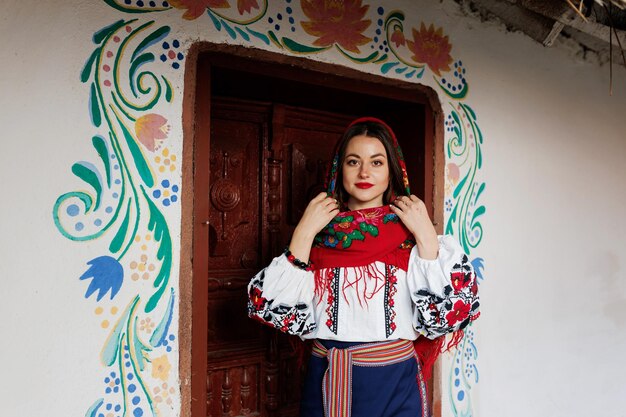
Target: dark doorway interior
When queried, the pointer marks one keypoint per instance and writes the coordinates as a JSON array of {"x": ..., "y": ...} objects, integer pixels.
[{"x": 264, "y": 133}]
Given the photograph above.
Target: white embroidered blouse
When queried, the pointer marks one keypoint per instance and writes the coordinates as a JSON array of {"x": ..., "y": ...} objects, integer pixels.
[{"x": 372, "y": 303}]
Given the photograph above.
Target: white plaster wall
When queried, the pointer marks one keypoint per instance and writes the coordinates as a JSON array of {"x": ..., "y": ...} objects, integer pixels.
[
  {"x": 51, "y": 337},
  {"x": 551, "y": 335}
]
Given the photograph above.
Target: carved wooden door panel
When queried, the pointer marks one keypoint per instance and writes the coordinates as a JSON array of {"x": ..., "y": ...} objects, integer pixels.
[
  {"x": 265, "y": 163},
  {"x": 235, "y": 359}
]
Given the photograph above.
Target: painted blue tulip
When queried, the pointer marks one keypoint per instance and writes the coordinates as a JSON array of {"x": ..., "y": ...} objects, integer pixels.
[{"x": 106, "y": 274}]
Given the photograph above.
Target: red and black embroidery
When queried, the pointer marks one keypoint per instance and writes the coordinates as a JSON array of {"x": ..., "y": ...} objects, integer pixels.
[
  {"x": 453, "y": 310},
  {"x": 391, "y": 289},
  {"x": 288, "y": 319},
  {"x": 332, "y": 299}
]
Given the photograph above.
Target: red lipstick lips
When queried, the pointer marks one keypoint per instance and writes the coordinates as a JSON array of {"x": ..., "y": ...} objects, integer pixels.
[{"x": 364, "y": 185}]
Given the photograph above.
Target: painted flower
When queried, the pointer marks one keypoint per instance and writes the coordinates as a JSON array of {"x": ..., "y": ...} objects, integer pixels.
[
  {"x": 151, "y": 129},
  {"x": 459, "y": 312},
  {"x": 196, "y": 8},
  {"x": 146, "y": 325},
  {"x": 431, "y": 47},
  {"x": 245, "y": 6},
  {"x": 161, "y": 368},
  {"x": 336, "y": 22},
  {"x": 106, "y": 274},
  {"x": 453, "y": 172},
  {"x": 397, "y": 37},
  {"x": 112, "y": 382}
]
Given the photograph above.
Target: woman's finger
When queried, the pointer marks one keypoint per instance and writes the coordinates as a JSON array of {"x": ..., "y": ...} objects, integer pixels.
[{"x": 320, "y": 197}]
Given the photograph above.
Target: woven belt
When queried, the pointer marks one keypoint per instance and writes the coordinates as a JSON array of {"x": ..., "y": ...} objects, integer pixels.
[{"x": 337, "y": 384}]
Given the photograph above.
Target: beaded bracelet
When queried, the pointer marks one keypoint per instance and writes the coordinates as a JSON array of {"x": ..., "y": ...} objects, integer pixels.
[{"x": 297, "y": 262}]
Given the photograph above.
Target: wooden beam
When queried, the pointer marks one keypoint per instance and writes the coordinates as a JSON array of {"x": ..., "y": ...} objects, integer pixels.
[
  {"x": 569, "y": 17},
  {"x": 554, "y": 33},
  {"x": 535, "y": 25}
]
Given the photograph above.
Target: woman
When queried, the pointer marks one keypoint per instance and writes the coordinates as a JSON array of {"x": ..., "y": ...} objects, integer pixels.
[{"x": 365, "y": 276}]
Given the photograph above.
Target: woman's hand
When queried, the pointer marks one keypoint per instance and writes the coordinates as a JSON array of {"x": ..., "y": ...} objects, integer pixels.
[
  {"x": 317, "y": 214},
  {"x": 413, "y": 213}
]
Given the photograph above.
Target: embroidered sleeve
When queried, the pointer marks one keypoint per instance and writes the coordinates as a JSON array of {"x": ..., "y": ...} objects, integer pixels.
[
  {"x": 281, "y": 296},
  {"x": 444, "y": 290}
]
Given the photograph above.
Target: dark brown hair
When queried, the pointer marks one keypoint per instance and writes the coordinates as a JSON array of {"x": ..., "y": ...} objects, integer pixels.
[{"x": 376, "y": 130}]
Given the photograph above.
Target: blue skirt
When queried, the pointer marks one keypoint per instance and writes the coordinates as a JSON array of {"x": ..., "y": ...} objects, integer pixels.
[{"x": 396, "y": 390}]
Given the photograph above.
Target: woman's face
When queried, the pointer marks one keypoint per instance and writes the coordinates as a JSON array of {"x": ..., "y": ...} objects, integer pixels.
[{"x": 365, "y": 172}]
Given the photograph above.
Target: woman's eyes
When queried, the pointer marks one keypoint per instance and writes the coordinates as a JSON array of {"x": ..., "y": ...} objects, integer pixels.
[{"x": 355, "y": 162}]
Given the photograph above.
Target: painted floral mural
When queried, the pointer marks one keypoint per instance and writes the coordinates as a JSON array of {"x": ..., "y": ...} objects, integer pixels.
[
  {"x": 336, "y": 22},
  {"x": 131, "y": 180}
]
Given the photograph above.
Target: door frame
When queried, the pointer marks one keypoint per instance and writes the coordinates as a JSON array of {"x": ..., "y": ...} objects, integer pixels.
[{"x": 196, "y": 100}]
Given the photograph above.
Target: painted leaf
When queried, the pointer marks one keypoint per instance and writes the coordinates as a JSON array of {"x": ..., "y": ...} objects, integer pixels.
[
  {"x": 215, "y": 20},
  {"x": 151, "y": 39},
  {"x": 100, "y": 35},
  {"x": 381, "y": 59},
  {"x": 451, "y": 220},
  {"x": 94, "y": 107},
  {"x": 298, "y": 47},
  {"x": 478, "y": 212},
  {"x": 386, "y": 67},
  {"x": 112, "y": 345},
  {"x": 458, "y": 123},
  {"x": 470, "y": 111},
  {"x": 459, "y": 187},
  {"x": 140, "y": 162},
  {"x": 230, "y": 30},
  {"x": 140, "y": 348},
  {"x": 100, "y": 145},
  {"x": 93, "y": 410},
  {"x": 243, "y": 34},
  {"x": 169, "y": 94},
  {"x": 259, "y": 35},
  {"x": 480, "y": 191},
  {"x": 86, "y": 72},
  {"x": 368, "y": 58},
  {"x": 118, "y": 240},
  {"x": 275, "y": 39},
  {"x": 87, "y": 173},
  {"x": 158, "y": 226},
  {"x": 161, "y": 331}
]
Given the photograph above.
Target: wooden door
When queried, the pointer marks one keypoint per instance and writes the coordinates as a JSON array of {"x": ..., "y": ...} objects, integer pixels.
[
  {"x": 256, "y": 163},
  {"x": 265, "y": 162}
]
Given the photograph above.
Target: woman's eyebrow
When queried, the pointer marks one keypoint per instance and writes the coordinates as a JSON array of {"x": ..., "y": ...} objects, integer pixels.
[{"x": 379, "y": 154}]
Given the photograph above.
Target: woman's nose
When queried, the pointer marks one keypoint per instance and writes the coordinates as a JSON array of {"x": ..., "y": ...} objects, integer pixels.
[{"x": 363, "y": 172}]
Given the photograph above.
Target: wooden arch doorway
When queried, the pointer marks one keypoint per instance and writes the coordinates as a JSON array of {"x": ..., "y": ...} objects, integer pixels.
[{"x": 261, "y": 128}]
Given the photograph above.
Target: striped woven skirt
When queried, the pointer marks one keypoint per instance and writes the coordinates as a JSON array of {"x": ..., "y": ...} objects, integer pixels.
[{"x": 381, "y": 379}]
